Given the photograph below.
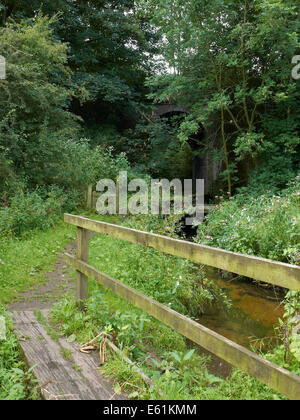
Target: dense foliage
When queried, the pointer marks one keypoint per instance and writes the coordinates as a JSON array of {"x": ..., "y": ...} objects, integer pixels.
[
  {"x": 77, "y": 106},
  {"x": 265, "y": 225},
  {"x": 45, "y": 164},
  {"x": 109, "y": 50},
  {"x": 231, "y": 62},
  {"x": 34, "y": 119}
]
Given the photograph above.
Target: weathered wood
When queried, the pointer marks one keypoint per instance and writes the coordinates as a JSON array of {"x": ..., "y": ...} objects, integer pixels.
[
  {"x": 57, "y": 378},
  {"x": 118, "y": 195},
  {"x": 270, "y": 374},
  {"x": 273, "y": 272},
  {"x": 90, "y": 196},
  {"x": 82, "y": 254}
]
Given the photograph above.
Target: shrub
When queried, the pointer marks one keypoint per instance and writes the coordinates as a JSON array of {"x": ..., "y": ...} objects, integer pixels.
[
  {"x": 267, "y": 226},
  {"x": 80, "y": 164},
  {"x": 31, "y": 210},
  {"x": 34, "y": 120},
  {"x": 16, "y": 383}
]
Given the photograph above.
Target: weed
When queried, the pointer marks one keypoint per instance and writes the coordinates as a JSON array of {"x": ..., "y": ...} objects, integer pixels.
[
  {"x": 52, "y": 333},
  {"x": 66, "y": 353},
  {"x": 16, "y": 381}
]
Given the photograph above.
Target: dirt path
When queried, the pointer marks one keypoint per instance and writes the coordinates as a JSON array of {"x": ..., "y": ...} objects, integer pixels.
[{"x": 57, "y": 285}]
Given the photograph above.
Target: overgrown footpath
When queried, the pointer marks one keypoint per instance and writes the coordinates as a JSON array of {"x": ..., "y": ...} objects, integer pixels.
[
  {"x": 178, "y": 370},
  {"x": 24, "y": 262}
]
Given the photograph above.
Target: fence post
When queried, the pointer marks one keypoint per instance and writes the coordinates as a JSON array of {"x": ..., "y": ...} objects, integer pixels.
[
  {"x": 83, "y": 255},
  {"x": 118, "y": 195},
  {"x": 90, "y": 196}
]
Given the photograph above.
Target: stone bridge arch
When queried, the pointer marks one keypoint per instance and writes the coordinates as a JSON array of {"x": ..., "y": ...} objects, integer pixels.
[{"x": 203, "y": 165}]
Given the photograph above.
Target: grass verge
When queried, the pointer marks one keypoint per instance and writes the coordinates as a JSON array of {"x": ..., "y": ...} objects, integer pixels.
[{"x": 25, "y": 262}]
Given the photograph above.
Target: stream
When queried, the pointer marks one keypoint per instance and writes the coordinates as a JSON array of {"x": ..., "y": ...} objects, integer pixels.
[
  {"x": 254, "y": 313},
  {"x": 249, "y": 322}
]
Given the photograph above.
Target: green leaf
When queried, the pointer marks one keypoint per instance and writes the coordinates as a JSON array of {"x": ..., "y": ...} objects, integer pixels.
[
  {"x": 117, "y": 389},
  {"x": 71, "y": 339},
  {"x": 133, "y": 395},
  {"x": 189, "y": 355},
  {"x": 176, "y": 356}
]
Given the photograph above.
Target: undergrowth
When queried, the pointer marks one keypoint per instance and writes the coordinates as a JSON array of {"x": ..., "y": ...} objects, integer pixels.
[
  {"x": 175, "y": 282},
  {"x": 16, "y": 380},
  {"x": 25, "y": 260},
  {"x": 178, "y": 371},
  {"x": 265, "y": 225}
]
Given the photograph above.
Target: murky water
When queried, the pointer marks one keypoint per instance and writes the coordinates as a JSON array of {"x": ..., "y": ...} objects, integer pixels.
[
  {"x": 254, "y": 313},
  {"x": 255, "y": 310},
  {"x": 249, "y": 322}
]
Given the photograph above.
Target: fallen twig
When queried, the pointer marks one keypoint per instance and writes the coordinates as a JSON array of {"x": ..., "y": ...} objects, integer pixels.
[
  {"x": 134, "y": 367},
  {"x": 102, "y": 354}
]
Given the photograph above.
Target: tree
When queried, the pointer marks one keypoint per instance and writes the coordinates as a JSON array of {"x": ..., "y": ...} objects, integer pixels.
[
  {"x": 34, "y": 119},
  {"x": 108, "y": 52},
  {"x": 232, "y": 66}
]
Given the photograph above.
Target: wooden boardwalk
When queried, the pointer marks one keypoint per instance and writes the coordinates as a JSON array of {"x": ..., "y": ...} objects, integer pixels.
[{"x": 60, "y": 379}]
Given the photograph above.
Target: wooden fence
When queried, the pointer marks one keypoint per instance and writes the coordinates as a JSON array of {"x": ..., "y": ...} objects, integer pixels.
[{"x": 272, "y": 272}]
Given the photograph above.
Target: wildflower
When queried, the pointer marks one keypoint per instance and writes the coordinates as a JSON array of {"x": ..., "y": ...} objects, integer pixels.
[
  {"x": 294, "y": 221},
  {"x": 209, "y": 237}
]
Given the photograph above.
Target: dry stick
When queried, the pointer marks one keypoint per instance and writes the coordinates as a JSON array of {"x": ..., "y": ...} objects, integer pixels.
[
  {"x": 134, "y": 367},
  {"x": 118, "y": 351},
  {"x": 94, "y": 339},
  {"x": 102, "y": 351}
]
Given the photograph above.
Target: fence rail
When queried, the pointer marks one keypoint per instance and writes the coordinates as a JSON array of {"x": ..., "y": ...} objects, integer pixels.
[
  {"x": 272, "y": 272},
  {"x": 270, "y": 374}
]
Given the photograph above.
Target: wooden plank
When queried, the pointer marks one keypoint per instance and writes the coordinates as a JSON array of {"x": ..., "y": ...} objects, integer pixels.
[
  {"x": 270, "y": 374},
  {"x": 82, "y": 254},
  {"x": 273, "y": 272},
  {"x": 117, "y": 195},
  {"x": 57, "y": 377}
]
